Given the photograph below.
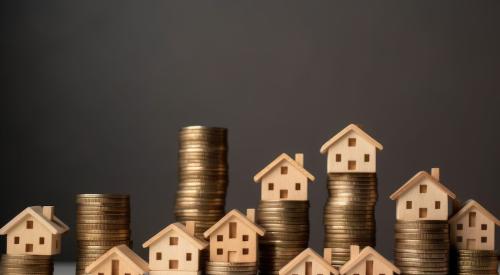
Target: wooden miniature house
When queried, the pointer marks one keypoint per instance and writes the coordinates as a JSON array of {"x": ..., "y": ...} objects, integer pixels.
[
  {"x": 351, "y": 151},
  {"x": 284, "y": 179},
  {"x": 473, "y": 227},
  {"x": 368, "y": 262},
  {"x": 423, "y": 197},
  {"x": 233, "y": 238},
  {"x": 119, "y": 260},
  {"x": 34, "y": 231},
  {"x": 309, "y": 262},
  {"x": 175, "y": 250}
]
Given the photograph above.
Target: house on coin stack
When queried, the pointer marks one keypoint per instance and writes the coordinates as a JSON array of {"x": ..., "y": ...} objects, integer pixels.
[
  {"x": 367, "y": 262},
  {"x": 284, "y": 179},
  {"x": 351, "y": 151},
  {"x": 34, "y": 231},
  {"x": 233, "y": 238},
  {"x": 309, "y": 262},
  {"x": 423, "y": 197},
  {"x": 473, "y": 227},
  {"x": 175, "y": 250},
  {"x": 119, "y": 260}
]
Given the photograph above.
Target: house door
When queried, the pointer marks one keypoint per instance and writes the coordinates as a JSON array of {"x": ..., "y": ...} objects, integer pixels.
[
  {"x": 115, "y": 267},
  {"x": 471, "y": 244},
  {"x": 231, "y": 256},
  {"x": 309, "y": 268},
  {"x": 369, "y": 267}
]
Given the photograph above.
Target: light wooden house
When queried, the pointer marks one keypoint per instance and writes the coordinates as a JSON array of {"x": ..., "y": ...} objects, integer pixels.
[
  {"x": 309, "y": 262},
  {"x": 234, "y": 238},
  {"x": 351, "y": 151},
  {"x": 473, "y": 227},
  {"x": 119, "y": 260},
  {"x": 368, "y": 262},
  {"x": 284, "y": 179},
  {"x": 175, "y": 250},
  {"x": 423, "y": 197},
  {"x": 34, "y": 231}
]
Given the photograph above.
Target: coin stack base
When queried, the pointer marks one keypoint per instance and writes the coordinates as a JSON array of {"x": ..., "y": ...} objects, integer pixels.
[
  {"x": 287, "y": 233},
  {"x": 349, "y": 213},
  {"x": 422, "y": 247},
  {"x": 223, "y": 268},
  {"x": 26, "y": 264},
  {"x": 475, "y": 262}
]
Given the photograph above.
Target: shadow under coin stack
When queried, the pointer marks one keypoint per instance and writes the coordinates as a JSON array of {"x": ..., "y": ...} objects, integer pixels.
[
  {"x": 224, "y": 268},
  {"x": 349, "y": 213},
  {"x": 103, "y": 222},
  {"x": 422, "y": 247},
  {"x": 26, "y": 264},
  {"x": 287, "y": 233},
  {"x": 475, "y": 262}
]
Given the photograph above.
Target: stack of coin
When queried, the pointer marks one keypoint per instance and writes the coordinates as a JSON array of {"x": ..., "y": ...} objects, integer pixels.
[
  {"x": 349, "y": 214},
  {"x": 223, "y": 268},
  {"x": 287, "y": 233},
  {"x": 475, "y": 262},
  {"x": 103, "y": 222},
  {"x": 26, "y": 264},
  {"x": 422, "y": 247}
]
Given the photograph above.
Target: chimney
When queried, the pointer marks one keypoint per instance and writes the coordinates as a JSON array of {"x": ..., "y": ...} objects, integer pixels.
[
  {"x": 354, "y": 251},
  {"x": 48, "y": 212},
  {"x": 251, "y": 214},
  {"x": 327, "y": 255},
  {"x": 435, "y": 173},
  {"x": 299, "y": 158},
  {"x": 190, "y": 225}
]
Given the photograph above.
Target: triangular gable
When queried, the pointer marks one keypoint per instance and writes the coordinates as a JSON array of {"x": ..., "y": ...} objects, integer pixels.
[
  {"x": 238, "y": 215},
  {"x": 415, "y": 180},
  {"x": 367, "y": 251},
  {"x": 181, "y": 229},
  {"x": 55, "y": 227},
  {"x": 124, "y": 252},
  {"x": 304, "y": 254},
  {"x": 468, "y": 206},
  {"x": 357, "y": 130},
  {"x": 280, "y": 158}
]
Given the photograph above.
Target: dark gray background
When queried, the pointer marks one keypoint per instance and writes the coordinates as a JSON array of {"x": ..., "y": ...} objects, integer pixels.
[{"x": 94, "y": 93}]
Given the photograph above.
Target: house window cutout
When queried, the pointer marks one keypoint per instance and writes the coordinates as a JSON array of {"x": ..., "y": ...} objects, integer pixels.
[
  {"x": 283, "y": 194},
  {"x": 29, "y": 247},
  {"x": 459, "y": 239},
  {"x": 232, "y": 230},
  {"x": 472, "y": 219},
  {"x": 297, "y": 186},
  {"x": 158, "y": 256},
  {"x": 16, "y": 240},
  {"x": 351, "y": 165},
  {"x": 174, "y": 241},
  {"x": 220, "y": 238},
  {"x": 367, "y": 158},
  {"x": 245, "y": 238},
  {"x": 245, "y": 251},
  {"x": 338, "y": 157},
  {"x": 173, "y": 264},
  {"x": 29, "y": 224},
  {"x": 127, "y": 274},
  {"x": 423, "y": 189},
  {"x": 220, "y": 251},
  {"x": 484, "y": 239},
  {"x": 41, "y": 240},
  {"x": 437, "y": 205},
  {"x": 422, "y": 213},
  {"x": 270, "y": 186},
  {"x": 460, "y": 226},
  {"x": 189, "y": 257},
  {"x": 100, "y": 273},
  {"x": 351, "y": 142},
  {"x": 308, "y": 268},
  {"x": 484, "y": 226},
  {"x": 409, "y": 204},
  {"x": 284, "y": 170}
]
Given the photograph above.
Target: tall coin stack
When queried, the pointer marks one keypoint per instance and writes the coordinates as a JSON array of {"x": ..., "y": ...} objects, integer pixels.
[
  {"x": 287, "y": 233},
  {"x": 26, "y": 264},
  {"x": 475, "y": 262},
  {"x": 103, "y": 222},
  {"x": 349, "y": 213},
  {"x": 224, "y": 268},
  {"x": 422, "y": 247}
]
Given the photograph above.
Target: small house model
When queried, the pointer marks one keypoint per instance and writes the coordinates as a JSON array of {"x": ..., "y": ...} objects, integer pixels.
[
  {"x": 284, "y": 179},
  {"x": 351, "y": 151},
  {"x": 34, "y": 231},
  {"x": 368, "y": 262},
  {"x": 309, "y": 262},
  {"x": 175, "y": 250},
  {"x": 119, "y": 260},
  {"x": 233, "y": 238},
  {"x": 473, "y": 227},
  {"x": 422, "y": 197}
]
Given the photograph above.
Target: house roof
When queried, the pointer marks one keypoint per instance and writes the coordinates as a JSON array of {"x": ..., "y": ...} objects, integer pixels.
[
  {"x": 349, "y": 128},
  {"x": 365, "y": 253},
  {"x": 238, "y": 215},
  {"x": 124, "y": 252},
  {"x": 55, "y": 226},
  {"x": 415, "y": 180},
  {"x": 181, "y": 230},
  {"x": 278, "y": 160},
  {"x": 304, "y": 254},
  {"x": 468, "y": 206}
]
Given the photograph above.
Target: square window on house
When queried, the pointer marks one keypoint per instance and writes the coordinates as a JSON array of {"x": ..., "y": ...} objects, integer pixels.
[
  {"x": 29, "y": 248},
  {"x": 16, "y": 240},
  {"x": 158, "y": 256},
  {"x": 437, "y": 205},
  {"x": 484, "y": 239},
  {"x": 189, "y": 257},
  {"x": 409, "y": 204},
  {"x": 423, "y": 189},
  {"x": 351, "y": 165},
  {"x": 297, "y": 186},
  {"x": 220, "y": 238},
  {"x": 283, "y": 194},
  {"x": 459, "y": 239},
  {"x": 220, "y": 251},
  {"x": 232, "y": 230},
  {"x": 284, "y": 170},
  {"x": 245, "y": 251},
  {"x": 174, "y": 241},
  {"x": 270, "y": 186},
  {"x": 460, "y": 226},
  {"x": 29, "y": 224},
  {"x": 367, "y": 158},
  {"x": 338, "y": 157},
  {"x": 351, "y": 142},
  {"x": 173, "y": 264},
  {"x": 422, "y": 213},
  {"x": 484, "y": 226},
  {"x": 41, "y": 240},
  {"x": 245, "y": 238}
]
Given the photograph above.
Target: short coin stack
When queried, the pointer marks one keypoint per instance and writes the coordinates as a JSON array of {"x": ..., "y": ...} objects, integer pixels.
[
  {"x": 223, "y": 268},
  {"x": 349, "y": 213},
  {"x": 476, "y": 262},
  {"x": 103, "y": 221},
  {"x": 287, "y": 233},
  {"x": 26, "y": 264},
  {"x": 422, "y": 247}
]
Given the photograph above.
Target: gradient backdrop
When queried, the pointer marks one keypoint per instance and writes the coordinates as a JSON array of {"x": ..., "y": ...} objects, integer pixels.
[{"x": 94, "y": 92}]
